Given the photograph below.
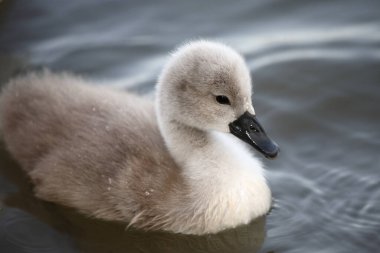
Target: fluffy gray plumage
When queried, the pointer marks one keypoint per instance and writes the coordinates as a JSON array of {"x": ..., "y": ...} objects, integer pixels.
[{"x": 109, "y": 155}]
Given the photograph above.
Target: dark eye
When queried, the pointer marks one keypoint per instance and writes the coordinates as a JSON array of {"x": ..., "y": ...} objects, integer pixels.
[{"x": 222, "y": 100}]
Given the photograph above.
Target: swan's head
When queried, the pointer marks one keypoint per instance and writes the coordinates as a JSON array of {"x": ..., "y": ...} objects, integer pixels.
[{"x": 207, "y": 85}]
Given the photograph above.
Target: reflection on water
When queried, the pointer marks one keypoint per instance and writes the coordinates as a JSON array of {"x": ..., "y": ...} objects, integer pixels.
[{"x": 315, "y": 67}]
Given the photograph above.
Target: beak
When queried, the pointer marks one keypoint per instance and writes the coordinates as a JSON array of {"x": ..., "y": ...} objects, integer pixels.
[{"x": 248, "y": 129}]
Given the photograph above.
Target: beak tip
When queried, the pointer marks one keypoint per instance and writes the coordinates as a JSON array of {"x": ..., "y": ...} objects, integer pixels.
[{"x": 273, "y": 154}]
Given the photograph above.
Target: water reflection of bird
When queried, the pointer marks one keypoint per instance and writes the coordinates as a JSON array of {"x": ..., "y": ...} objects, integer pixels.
[{"x": 108, "y": 155}]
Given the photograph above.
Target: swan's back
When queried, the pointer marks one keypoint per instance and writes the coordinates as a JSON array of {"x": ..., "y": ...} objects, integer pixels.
[
  {"x": 67, "y": 133},
  {"x": 45, "y": 110}
]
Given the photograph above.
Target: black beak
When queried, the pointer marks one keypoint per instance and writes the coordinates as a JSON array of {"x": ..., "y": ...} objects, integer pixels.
[{"x": 248, "y": 129}]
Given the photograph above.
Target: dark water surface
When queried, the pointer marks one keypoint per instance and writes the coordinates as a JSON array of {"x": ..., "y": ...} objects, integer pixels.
[{"x": 316, "y": 72}]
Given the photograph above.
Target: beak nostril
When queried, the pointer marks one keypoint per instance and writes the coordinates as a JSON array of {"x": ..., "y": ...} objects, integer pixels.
[{"x": 252, "y": 127}]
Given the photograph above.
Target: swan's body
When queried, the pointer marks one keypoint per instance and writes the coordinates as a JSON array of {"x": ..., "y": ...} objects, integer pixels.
[{"x": 106, "y": 153}]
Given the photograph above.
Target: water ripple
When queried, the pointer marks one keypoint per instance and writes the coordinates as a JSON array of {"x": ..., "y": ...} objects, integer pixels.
[
  {"x": 249, "y": 42},
  {"x": 24, "y": 233}
]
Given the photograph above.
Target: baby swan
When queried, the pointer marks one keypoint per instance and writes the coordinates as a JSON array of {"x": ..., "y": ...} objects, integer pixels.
[{"x": 112, "y": 155}]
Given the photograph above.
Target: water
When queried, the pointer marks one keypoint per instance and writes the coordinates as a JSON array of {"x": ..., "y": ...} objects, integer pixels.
[{"x": 316, "y": 72}]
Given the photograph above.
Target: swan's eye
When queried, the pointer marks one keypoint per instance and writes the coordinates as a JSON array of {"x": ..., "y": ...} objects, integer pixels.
[{"x": 222, "y": 100}]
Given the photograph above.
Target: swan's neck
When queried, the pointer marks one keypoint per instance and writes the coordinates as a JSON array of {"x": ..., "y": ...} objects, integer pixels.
[
  {"x": 205, "y": 155},
  {"x": 225, "y": 181}
]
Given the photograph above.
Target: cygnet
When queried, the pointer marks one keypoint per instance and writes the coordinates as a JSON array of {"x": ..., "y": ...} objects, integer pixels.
[{"x": 180, "y": 163}]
